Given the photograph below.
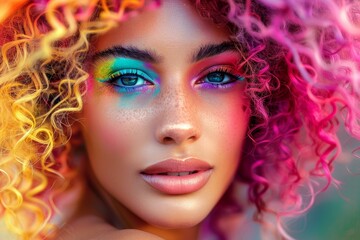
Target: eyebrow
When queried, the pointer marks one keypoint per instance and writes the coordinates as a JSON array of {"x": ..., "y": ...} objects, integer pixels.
[
  {"x": 145, "y": 55},
  {"x": 130, "y": 52},
  {"x": 210, "y": 50}
]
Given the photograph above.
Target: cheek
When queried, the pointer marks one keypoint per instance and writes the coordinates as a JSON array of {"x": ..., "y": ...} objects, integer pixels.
[
  {"x": 108, "y": 131},
  {"x": 111, "y": 138},
  {"x": 235, "y": 127},
  {"x": 237, "y": 116},
  {"x": 229, "y": 119},
  {"x": 101, "y": 130},
  {"x": 107, "y": 127},
  {"x": 225, "y": 131},
  {"x": 235, "y": 130}
]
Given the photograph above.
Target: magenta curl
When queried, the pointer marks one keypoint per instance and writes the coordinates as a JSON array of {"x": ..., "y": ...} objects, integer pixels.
[{"x": 302, "y": 66}]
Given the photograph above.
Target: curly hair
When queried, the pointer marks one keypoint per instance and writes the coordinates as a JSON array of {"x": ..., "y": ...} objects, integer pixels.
[
  {"x": 302, "y": 62},
  {"x": 302, "y": 70}
]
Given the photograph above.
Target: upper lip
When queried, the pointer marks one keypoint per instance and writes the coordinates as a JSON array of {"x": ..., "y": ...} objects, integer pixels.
[{"x": 177, "y": 165}]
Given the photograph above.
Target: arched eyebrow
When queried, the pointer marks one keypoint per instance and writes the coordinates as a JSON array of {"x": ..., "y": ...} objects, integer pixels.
[
  {"x": 209, "y": 50},
  {"x": 146, "y": 55}
]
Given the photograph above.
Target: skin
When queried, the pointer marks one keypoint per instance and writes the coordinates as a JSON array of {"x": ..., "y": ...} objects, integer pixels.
[{"x": 178, "y": 116}]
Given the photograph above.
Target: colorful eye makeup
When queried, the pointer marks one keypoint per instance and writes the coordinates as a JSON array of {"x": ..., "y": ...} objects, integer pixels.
[
  {"x": 219, "y": 76},
  {"x": 126, "y": 74}
]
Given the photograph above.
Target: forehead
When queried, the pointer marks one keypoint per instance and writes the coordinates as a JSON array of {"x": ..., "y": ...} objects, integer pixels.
[{"x": 174, "y": 23}]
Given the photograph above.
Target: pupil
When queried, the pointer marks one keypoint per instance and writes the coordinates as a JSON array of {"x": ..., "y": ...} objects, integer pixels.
[
  {"x": 129, "y": 80},
  {"x": 216, "y": 77}
]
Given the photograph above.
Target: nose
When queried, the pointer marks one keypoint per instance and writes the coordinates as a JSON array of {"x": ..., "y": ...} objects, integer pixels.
[
  {"x": 178, "y": 120},
  {"x": 177, "y": 133}
]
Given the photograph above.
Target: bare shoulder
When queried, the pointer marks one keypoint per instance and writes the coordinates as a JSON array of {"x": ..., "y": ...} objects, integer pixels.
[{"x": 94, "y": 228}]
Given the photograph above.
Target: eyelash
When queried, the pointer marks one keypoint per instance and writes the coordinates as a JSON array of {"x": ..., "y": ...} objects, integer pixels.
[
  {"x": 233, "y": 77},
  {"x": 115, "y": 77}
]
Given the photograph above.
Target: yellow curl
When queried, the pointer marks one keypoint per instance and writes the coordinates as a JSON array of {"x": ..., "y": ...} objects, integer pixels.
[{"x": 36, "y": 100}]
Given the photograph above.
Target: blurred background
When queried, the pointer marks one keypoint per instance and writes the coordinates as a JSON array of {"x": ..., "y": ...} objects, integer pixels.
[{"x": 336, "y": 212}]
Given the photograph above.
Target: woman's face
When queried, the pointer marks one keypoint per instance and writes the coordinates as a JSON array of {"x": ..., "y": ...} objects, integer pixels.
[{"x": 165, "y": 98}]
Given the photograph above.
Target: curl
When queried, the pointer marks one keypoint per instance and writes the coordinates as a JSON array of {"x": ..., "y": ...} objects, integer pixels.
[
  {"x": 302, "y": 66},
  {"x": 42, "y": 82}
]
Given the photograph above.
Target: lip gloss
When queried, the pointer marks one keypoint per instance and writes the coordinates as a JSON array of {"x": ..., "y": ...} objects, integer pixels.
[
  {"x": 176, "y": 185},
  {"x": 178, "y": 176}
]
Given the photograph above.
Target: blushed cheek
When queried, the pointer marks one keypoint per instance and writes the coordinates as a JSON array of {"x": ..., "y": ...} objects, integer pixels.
[
  {"x": 238, "y": 111},
  {"x": 98, "y": 121},
  {"x": 102, "y": 128},
  {"x": 235, "y": 125}
]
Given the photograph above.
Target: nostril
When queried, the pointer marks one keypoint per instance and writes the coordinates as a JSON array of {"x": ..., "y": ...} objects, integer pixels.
[
  {"x": 176, "y": 133},
  {"x": 168, "y": 140},
  {"x": 192, "y": 138}
]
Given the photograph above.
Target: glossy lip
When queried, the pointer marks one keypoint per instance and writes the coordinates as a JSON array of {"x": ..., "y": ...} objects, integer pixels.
[{"x": 156, "y": 175}]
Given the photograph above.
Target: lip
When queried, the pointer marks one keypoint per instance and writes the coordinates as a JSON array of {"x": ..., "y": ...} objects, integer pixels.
[{"x": 175, "y": 177}]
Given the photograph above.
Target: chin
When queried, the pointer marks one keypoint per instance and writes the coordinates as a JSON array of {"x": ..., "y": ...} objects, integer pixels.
[
  {"x": 177, "y": 219},
  {"x": 175, "y": 223}
]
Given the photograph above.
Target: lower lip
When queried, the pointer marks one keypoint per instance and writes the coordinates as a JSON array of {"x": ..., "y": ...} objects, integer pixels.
[{"x": 176, "y": 185}]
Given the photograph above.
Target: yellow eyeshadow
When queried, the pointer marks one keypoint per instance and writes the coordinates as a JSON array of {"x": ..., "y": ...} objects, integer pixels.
[{"x": 103, "y": 69}]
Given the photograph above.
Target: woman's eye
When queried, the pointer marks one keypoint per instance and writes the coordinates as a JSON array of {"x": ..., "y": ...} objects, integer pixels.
[
  {"x": 130, "y": 79},
  {"x": 219, "y": 77}
]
